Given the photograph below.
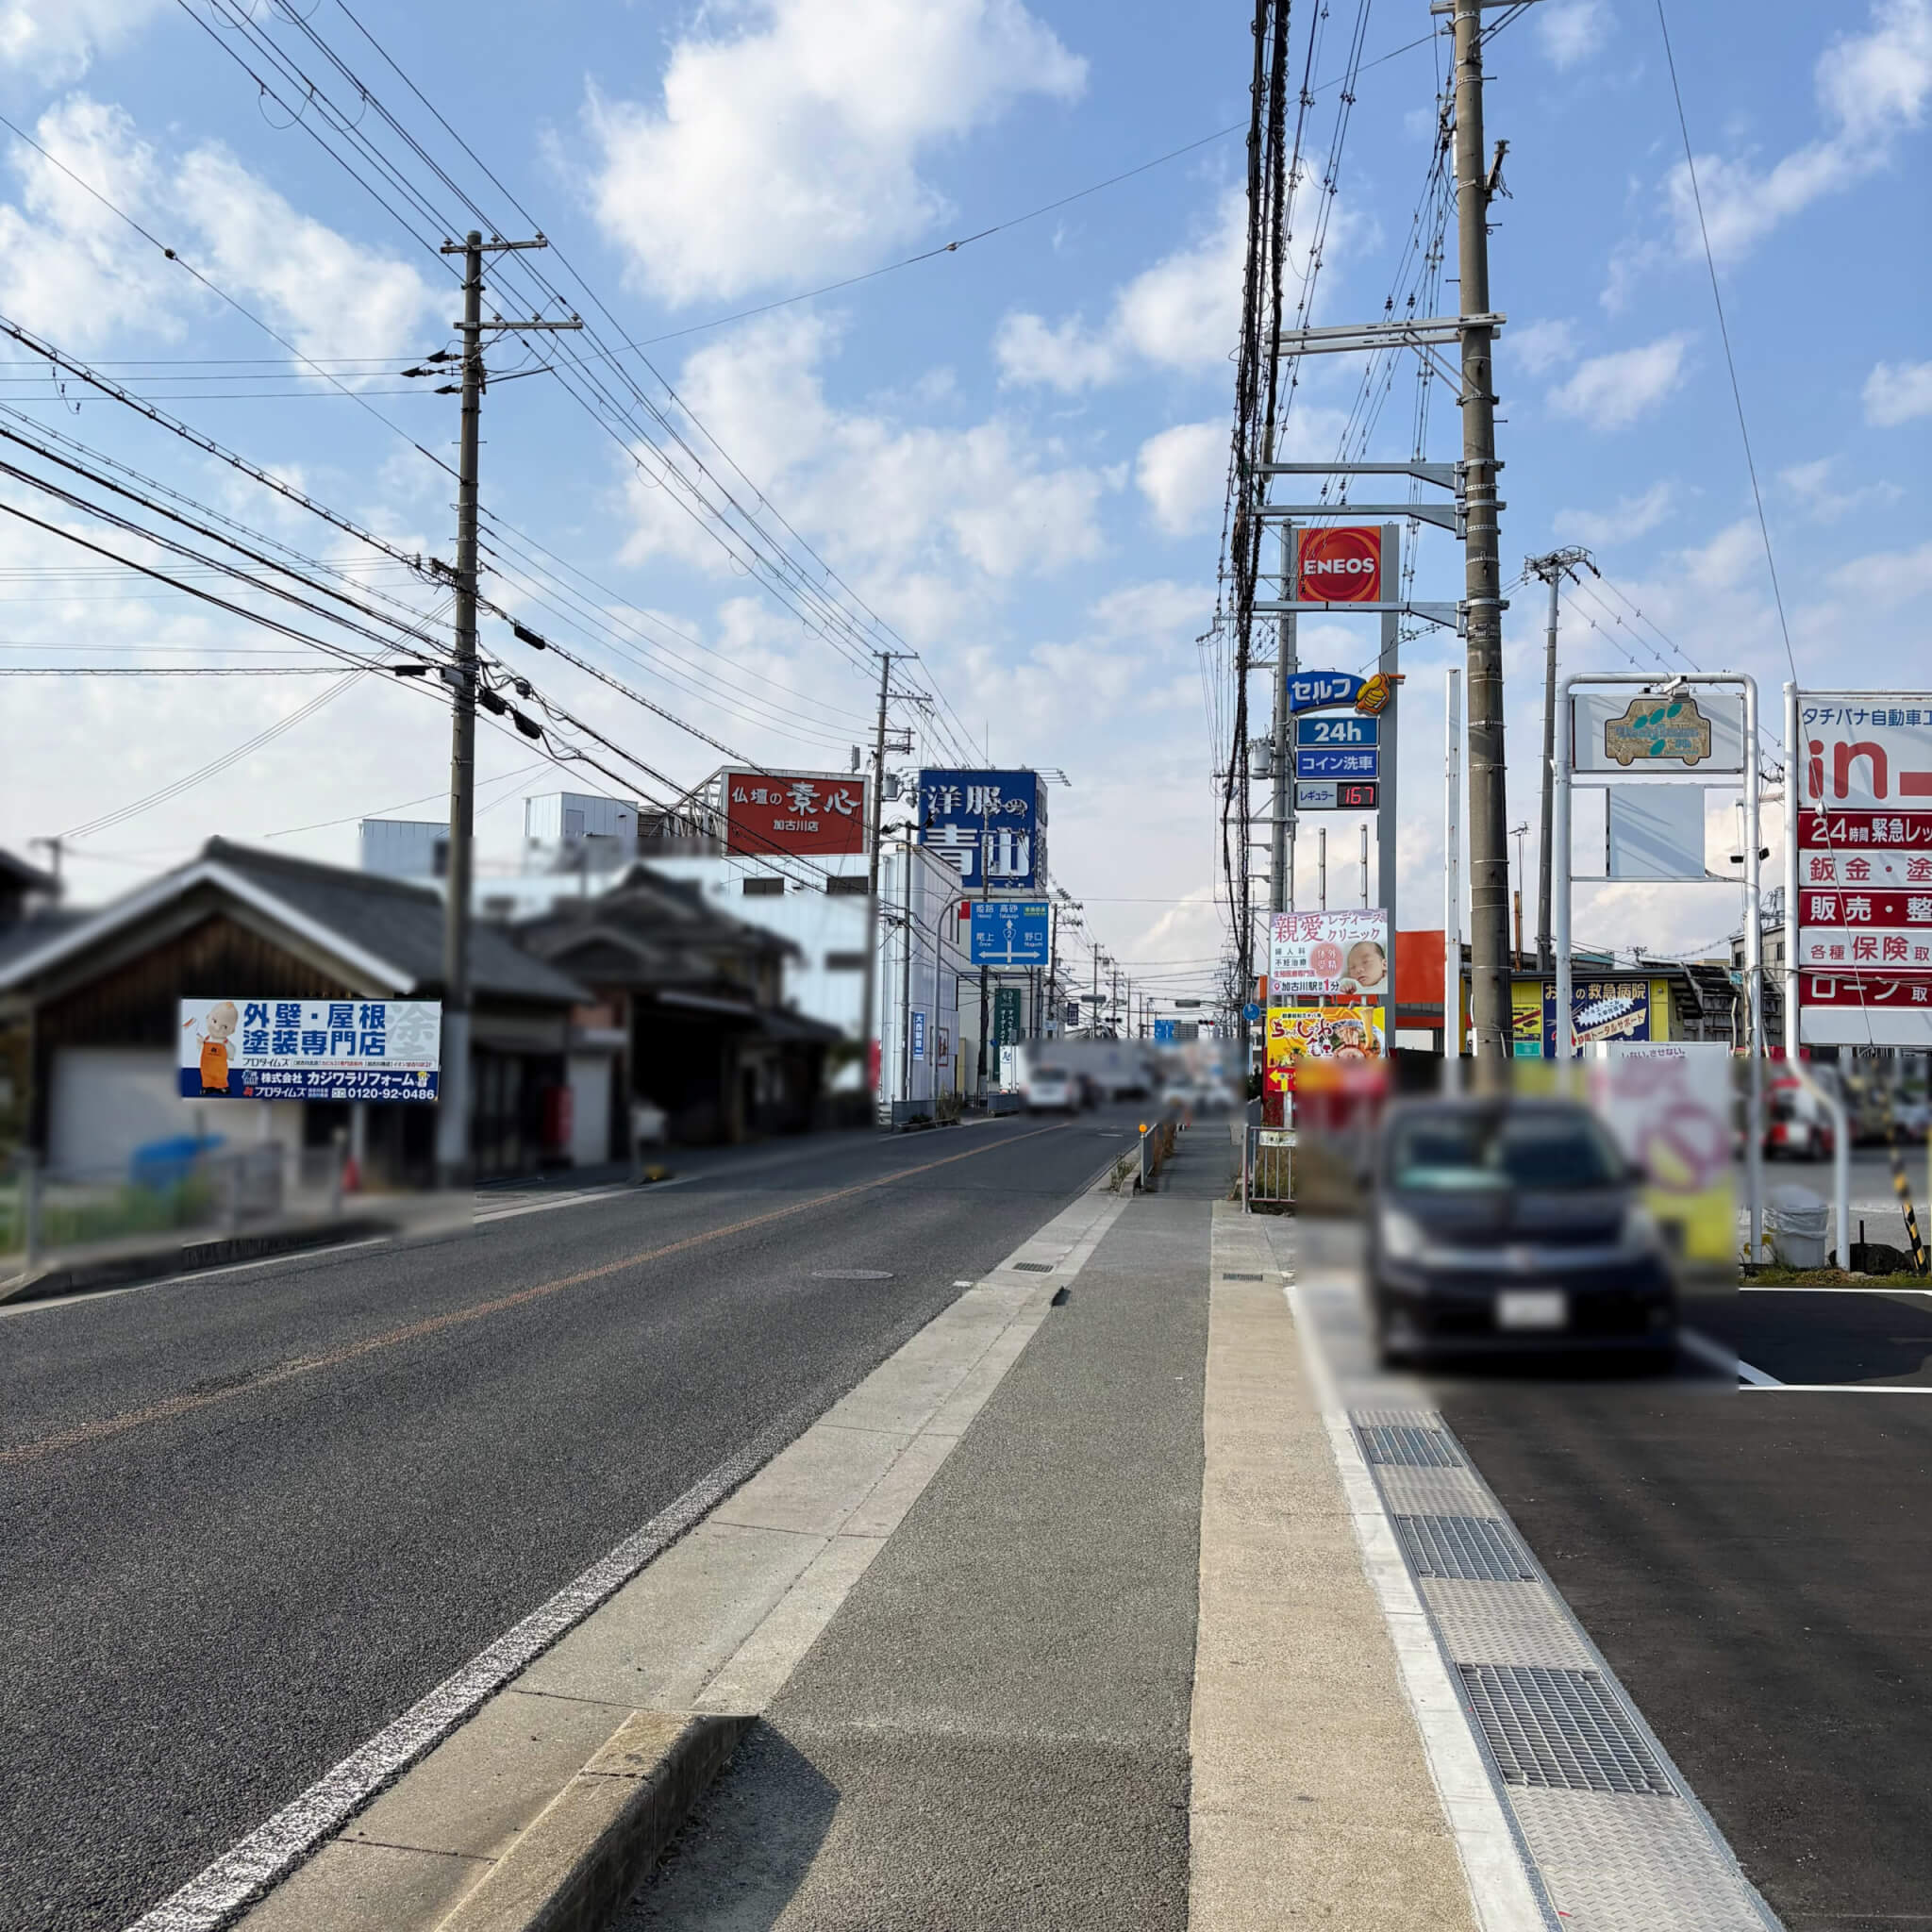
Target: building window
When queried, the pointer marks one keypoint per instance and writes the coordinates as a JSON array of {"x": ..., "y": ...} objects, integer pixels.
[
  {"x": 845, "y": 962},
  {"x": 848, "y": 883},
  {"x": 763, "y": 889}
]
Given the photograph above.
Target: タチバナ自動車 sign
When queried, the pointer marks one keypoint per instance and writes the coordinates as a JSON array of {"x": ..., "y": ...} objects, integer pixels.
[{"x": 1863, "y": 771}]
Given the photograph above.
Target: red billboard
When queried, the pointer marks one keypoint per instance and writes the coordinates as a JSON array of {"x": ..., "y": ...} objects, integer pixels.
[
  {"x": 1338, "y": 565},
  {"x": 808, "y": 812}
]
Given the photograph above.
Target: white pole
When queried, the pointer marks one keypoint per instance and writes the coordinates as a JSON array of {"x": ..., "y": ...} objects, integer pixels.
[
  {"x": 1794, "y": 785},
  {"x": 1559, "y": 881},
  {"x": 1754, "y": 971},
  {"x": 1452, "y": 884}
]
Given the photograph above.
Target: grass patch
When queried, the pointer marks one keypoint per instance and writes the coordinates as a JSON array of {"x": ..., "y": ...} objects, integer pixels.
[{"x": 1834, "y": 1277}]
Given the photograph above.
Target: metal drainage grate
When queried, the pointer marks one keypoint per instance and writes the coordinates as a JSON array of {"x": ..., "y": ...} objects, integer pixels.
[
  {"x": 1034, "y": 1267},
  {"x": 852, "y": 1274},
  {"x": 1403, "y": 1443},
  {"x": 1476, "y": 1548},
  {"x": 1559, "y": 1730},
  {"x": 1244, "y": 1277}
]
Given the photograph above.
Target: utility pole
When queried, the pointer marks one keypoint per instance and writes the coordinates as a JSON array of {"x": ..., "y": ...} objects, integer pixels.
[
  {"x": 453, "y": 1085},
  {"x": 1488, "y": 858},
  {"x": 1552, "y": 569},
  {"x": 1281, "y": 821}
]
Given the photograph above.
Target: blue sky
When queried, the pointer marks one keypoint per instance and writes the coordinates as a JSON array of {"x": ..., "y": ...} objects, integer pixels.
[{"x": 1013, "y": 453}]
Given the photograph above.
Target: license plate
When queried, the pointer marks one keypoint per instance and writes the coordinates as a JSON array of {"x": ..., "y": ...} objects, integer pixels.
[{"x": 1532, "y": 1307}]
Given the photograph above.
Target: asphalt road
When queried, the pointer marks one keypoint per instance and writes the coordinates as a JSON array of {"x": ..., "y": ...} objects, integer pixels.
[
  {"x": 248, "y": 1519},
  {"x": 1754, "y": 1565}
]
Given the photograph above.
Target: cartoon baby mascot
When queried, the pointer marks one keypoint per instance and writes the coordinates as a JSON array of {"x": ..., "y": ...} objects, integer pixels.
[{"x": 220, "y": 1024}]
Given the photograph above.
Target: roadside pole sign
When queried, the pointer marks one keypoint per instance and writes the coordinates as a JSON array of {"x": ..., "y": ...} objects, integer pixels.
[
  {"x": 237, "y": 1048},
  {"x": 1864, "y": 764},
  {"x": 1337, "y": 795},
  {"x": 1350, "y": 730},
  {"x": 1010, "y": 932},
  {"x": 1339, "y": 563},
  {"x": 917, "y": 1034},
  {"x": 1322, "y": 762}
]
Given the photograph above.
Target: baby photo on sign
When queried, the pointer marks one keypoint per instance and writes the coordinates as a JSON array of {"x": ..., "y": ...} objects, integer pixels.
[{"x": 218, "y": 1026}]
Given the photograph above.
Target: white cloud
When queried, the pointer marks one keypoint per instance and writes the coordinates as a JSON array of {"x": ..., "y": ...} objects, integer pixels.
[
  {"x": 68, "y": 267},
  {"x": 1896, "y": 393},
  {"x": 1815, "y": 486},
  {"x": 72, "y": 269},
  {"x": 330, "y": 296},
  {"x": 1541, "y": 346},
  {"x": 1183, "y": 313},
  {"x": 791, "y": 146},
  {"x": 1573, "y": 31},
  {"x": 932, "y": 521},
  {"x": 54, "y": 41},
  {"x": 1182, "y": 473},
  {"x": 1611, "y": 391},
  {"x": 1633, "y": 517},
  {"x": 1872, "y": 88},
  {"x": 1888, "y": 579}
]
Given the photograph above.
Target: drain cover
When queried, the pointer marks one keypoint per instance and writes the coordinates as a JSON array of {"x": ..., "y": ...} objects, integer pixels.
[
  {"x": 1559, "y": 1730},
  {"x": 1244, "y": 1277},
  {"x": 1476, "y": 1547},
  {"x": 852, "y": 1274},
  {"x": 1034, "y": 1267},
  {"x": 1405, "y": 1442}
]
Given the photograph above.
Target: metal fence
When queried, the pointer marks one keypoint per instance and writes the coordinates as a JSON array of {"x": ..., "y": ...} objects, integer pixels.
[{"x": 1267, "y": 1169}]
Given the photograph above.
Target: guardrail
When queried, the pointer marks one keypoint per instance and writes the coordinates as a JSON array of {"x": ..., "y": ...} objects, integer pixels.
[{"x": 1157, "y": 1148}]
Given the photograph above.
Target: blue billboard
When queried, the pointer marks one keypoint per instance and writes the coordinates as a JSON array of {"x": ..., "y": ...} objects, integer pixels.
[
  {"x": 989, "y": 826},
  {"x": 1315, "y": 690},
  {"x": 1341, "y": 762},
  {"x": 1349, "y": 730},
  {"x": 1011, "y": 932}
]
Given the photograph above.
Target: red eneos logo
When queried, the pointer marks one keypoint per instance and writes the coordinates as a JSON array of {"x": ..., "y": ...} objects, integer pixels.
[{"x": 1341, "y": 565}]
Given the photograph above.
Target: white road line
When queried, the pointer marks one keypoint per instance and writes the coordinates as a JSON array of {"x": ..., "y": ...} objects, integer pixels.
[
  {"x": 267, "y": 1855},
  {"x": 1822, "y": 1288},
  {"x": 1715, "y": 1355},
  {"x": 270, "y": 1852},
  {"x": 192, "y": 1274},
  {"x": 1487, "y": 1842},
  {"x": 1843, "y": 1388}
]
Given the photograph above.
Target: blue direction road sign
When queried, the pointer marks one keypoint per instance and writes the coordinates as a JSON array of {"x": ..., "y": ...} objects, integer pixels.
[
  {"x": 1251, "y": 1012},
  {"x": 1163, "y": 1032},
  {"x": 1343, "y": 763},
  {"x": 1337, "y": 730},
  {"x": 1011, "y": 932}
]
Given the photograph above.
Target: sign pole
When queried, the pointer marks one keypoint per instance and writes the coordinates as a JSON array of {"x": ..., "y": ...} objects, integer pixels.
[
  {"x": 1390, "y": 665},
  {"x": 1281, "y": 827},
  {"x": 1564, "y": 1046},
  {"x": 1452, "y": 884},
  {"x": 1794, "y": 785},
  {"x": 1754, "y": 965}
]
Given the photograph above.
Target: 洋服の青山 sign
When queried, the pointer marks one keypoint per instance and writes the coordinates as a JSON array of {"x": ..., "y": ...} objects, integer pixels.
[
  {"x": 1338, "y": 565},
  {"x": 792, "y": 814}
]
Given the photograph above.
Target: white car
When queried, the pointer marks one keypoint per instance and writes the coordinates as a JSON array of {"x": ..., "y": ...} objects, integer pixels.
[{"x": 1050, "y": 1088}]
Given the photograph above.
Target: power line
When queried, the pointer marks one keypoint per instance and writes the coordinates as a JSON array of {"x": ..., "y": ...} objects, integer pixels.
[{"x": 1724, "y": 335}]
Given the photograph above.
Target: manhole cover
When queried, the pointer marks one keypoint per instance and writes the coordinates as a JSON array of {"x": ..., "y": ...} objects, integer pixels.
[
  {"x": 1034, "y": 1267},
  {"x": 1405, "y": 1442},
  {"x": 1559, "y": 1730},
  {"x": 1478, "y": 1548},
  {"x": 852, "y": 1274}
]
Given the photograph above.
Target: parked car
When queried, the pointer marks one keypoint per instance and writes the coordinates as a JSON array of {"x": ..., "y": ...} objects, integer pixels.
[
  {"x": 1509, "y": 1226},
  {"x": 1796, "y": 1125}
]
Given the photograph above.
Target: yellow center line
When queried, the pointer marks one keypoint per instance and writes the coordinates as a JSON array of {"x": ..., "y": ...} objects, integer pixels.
[{"x": 83, "y": 1433}]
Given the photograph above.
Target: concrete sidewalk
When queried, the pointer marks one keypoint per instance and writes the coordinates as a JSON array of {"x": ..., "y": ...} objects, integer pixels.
[{"x": 1120, "y": 1666}]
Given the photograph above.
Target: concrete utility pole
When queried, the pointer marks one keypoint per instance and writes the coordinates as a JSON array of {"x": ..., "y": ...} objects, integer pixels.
[
  {"x": 1488, "y": 858},
  {"x": 453, "y": 1085},
  {"x": 1552, "y": 569},
  {"x": 1281, "y": 821}
]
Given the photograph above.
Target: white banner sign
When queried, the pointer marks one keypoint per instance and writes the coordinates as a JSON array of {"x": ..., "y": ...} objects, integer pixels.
[
  {"x": 253, "y": 1049},
  {"x": 1313, "y": 957}
]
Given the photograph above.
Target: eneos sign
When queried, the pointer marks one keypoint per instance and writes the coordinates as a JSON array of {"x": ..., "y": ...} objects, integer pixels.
[{"x": 1338, "y": 565}]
